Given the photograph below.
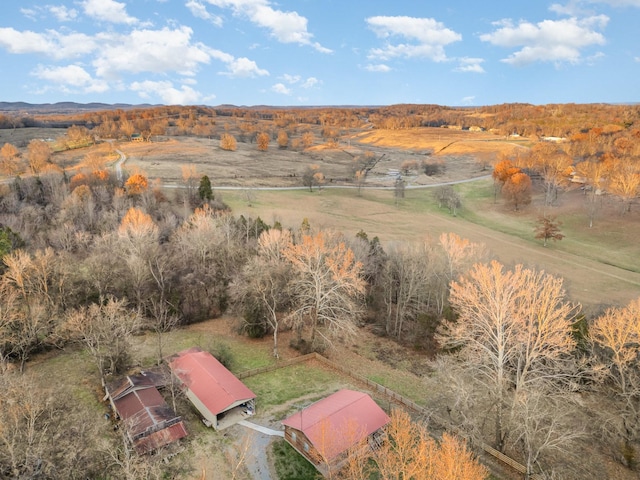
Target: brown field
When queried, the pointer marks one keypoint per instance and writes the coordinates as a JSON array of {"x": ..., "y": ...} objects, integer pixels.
[
  {"x": 601, "y": 266},
  {"x": 248, "y": 167}
]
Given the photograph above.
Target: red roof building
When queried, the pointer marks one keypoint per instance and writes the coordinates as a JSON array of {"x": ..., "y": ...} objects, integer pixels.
[
  {"x": 148, "y": 421},
  {"x": 325, "y": 430},
  {"x": 217, "y": 393}
]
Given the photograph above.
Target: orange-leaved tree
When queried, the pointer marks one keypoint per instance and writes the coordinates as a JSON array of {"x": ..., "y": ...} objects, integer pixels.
[
  {"x": 263, "y": 140},
  {"x": 136, "y": 184},
  {"x": 517, "y": 189},
  {"x": 228, "y": 142},
  {"x": 409, "y": 452}
]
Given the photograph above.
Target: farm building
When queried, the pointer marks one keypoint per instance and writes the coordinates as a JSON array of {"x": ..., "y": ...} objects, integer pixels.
[
  {"x": 148, "y": 421},
  {"x": 217, "y": 394},
  {"x": 324, "y": 431}
]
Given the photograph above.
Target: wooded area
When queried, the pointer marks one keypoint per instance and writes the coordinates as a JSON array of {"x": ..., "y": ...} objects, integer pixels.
[{"x": 90, "y": 259}]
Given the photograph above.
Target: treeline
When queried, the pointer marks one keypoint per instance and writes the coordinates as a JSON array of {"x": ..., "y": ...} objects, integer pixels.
[{"x": 561, "y": 120}]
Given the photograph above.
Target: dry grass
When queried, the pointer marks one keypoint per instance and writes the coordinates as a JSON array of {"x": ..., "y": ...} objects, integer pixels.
[{"x": 444, "y": 141}]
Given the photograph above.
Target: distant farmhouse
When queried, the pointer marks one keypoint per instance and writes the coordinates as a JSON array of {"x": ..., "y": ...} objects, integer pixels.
[
  {"x": 148, "y": 421},
  {"x": 324, "y": 431},
  {"x": 217, "y": 394}
]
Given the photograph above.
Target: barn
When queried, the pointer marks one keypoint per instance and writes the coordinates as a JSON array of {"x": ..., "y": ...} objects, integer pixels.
[
  {"x": 148, "y": 421},
  {"x": 324, "y": 431},
  {"x": 216, "y": 393}
]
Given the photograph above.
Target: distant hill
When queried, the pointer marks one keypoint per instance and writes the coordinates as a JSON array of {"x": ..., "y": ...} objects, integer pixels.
[{"x": 65, "y": 107}]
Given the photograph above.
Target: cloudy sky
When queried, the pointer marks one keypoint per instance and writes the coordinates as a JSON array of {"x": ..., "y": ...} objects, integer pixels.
[{"x": 320, "y": 52}]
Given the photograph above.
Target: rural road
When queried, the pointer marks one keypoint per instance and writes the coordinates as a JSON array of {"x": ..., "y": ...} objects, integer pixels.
[
  {"x": 345, "y": 187},
  {"x": 256, "y": 461},
  {"x": 119, "y": 163}
]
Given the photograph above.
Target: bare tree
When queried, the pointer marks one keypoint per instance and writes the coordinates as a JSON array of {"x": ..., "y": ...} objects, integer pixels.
[
  {"x": 262, "y": 288},
  {"x": 513, "y": 331},
  {"x": 312, "y": 176},
  {"x": 595, "y": 172},
  {"x": 615, "y": 336},
  {"x": 328, "y": 290},
  {"x": 542, "y": 424},
  {"x": 36, "y": 284},
  {"x": 138, "y": 246},
  {"x": 42, "y": 434},
  {"x": 105, "y": 330},
  {"x": 406, "y": 282},
  {"x": 554, "y": 165}
]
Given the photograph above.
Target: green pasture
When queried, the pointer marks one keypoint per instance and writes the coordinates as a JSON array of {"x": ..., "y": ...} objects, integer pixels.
[{"x": 611, "y": 241}]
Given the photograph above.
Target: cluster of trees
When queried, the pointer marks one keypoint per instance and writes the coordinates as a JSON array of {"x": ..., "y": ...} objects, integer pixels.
[
  {"x": 410, "y": 452},
  {"x": 522, "y": 361},
  {"x": 602, "y": 162},
  {"x": 560, "y": 120},
  {"x": 101, "y": 262}
]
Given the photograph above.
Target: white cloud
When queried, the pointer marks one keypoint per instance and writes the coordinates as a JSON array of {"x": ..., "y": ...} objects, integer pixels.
[
  {"x": 286, "y": 27},
  {"x": 310, "y": 82},
  {"x": 559, "y": 41},
  {"x": 243, "y": 67},
  {"x": 108, "y": 11},
  {"x": 427, "y": 35},
  {"x": 291, "y": 78},
  {"x": 378, "y": 67},
  {"x": 470, "y": 65},
  {"x": 200, "y": 11},
  {"x": 30, "y": 13},
  {"x": 167, "y": 92},
  {"x": 62, "y": 13},
  {"x": 468, "y": 100},
  {"x": 71, "y": 76},
  {"x": 156, "y": 51},
  {"x": 51, "y": 43},
  {"x": 281, "y": 88}
]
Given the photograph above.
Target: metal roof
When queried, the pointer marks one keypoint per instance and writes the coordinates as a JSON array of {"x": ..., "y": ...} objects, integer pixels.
[
  {"x": 148, "y": 420},
  {"x": 339, "y": 421},
  {"x": 215, "y": 386}
]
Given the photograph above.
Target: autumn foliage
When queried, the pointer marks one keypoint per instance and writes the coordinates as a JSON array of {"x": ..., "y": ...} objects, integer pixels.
[
  {"x": 409, "y": 452},
  {"x": 228, "y": 142},
  {"x": 137, "y": 184}
]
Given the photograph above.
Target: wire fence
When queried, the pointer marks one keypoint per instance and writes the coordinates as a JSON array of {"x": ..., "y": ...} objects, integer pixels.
[{"x": 398, "y": 399}]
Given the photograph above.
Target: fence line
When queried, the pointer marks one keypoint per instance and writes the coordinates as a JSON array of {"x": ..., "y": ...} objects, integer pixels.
[{"x": 396, "y": 397}]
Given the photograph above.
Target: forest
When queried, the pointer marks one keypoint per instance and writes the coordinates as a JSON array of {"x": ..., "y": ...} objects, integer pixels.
[{"x": 91, "y": 260}]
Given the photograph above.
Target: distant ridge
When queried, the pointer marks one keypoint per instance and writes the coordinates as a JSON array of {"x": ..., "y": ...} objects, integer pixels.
[{"x": 66, "y": 106}]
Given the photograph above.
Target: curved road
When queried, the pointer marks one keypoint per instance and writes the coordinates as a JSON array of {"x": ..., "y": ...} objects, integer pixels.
[{"x": 119, "y": 163}]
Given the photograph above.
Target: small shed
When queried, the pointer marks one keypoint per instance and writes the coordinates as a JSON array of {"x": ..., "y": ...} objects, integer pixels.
[
  {"x": 324, "y": 431},
  {"x": 217, "y": 394},
  {"x": 148, "y": 421}
]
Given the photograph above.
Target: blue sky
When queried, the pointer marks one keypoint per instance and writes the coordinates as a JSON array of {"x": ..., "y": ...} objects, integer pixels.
[{"x": 320, "y": 52}]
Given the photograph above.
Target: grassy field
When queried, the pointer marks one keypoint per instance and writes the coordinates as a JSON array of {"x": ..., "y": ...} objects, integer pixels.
[{"x": 600, "y": 265}]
